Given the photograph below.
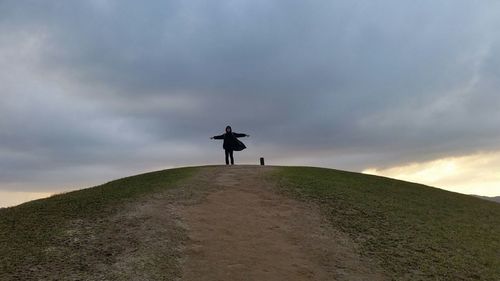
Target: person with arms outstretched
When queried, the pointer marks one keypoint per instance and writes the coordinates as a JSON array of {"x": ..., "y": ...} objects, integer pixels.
[{"x": 231, "y": 143}]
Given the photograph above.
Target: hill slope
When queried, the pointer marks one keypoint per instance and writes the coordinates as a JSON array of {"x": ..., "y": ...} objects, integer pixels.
[
  {"x": 494, "y": 199},
  {"x": 262, "y": 222},
  {"x": 416, "y": 232},
  {"x": 69, "y": 236}
]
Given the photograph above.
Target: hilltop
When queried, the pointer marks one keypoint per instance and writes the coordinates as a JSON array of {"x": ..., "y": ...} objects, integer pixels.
[{"x": 255, "y": 223}]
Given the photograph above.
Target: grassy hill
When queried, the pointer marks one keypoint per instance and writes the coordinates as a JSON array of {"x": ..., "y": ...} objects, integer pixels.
[
  {"x": 413, "y": 232},
  {"x": 33, "y": 235}
]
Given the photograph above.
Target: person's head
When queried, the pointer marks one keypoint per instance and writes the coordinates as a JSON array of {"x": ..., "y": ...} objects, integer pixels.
[{"x": 228, "y": 129}]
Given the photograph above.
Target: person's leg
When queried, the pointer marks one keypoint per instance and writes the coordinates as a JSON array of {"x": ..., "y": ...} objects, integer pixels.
[
  {"x": 227, "y": 156},
  {"x": 232, "y": 159}
]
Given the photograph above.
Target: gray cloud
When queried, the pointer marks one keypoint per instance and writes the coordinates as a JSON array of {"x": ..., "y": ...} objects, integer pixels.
[{"x": 99, "y": 89}]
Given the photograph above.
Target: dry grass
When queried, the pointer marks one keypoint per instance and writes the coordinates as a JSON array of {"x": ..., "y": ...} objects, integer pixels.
[{"x": 91, "y": 234}]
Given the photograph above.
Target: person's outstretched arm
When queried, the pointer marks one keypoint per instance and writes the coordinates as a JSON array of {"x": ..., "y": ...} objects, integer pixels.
[
  {"x": 240, "y": 135},
  {"x": 221, "y": 137}
]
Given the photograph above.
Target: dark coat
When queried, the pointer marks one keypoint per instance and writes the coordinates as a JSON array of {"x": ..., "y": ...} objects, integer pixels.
[{"x": 231, "y": 142}]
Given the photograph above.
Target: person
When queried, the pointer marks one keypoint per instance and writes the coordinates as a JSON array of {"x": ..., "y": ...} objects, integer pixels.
[{"x": 231, "y": 143}]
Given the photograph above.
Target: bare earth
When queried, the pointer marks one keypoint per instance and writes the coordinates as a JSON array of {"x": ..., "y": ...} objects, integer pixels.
[
  {"x": 225, "y": 223},
  {"x": 245, "y": 230}
]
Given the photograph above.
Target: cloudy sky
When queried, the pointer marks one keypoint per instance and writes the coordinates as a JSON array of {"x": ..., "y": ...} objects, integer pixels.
[{"x": 95, "y": 90}]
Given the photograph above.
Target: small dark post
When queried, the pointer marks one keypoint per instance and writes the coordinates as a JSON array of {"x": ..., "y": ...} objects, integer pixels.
[{"x": 262, "y": 161}]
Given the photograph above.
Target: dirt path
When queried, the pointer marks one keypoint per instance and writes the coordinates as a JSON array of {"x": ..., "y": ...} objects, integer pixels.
[
  {"x": 243, "y": 230},
  {"x": 224, "y": 223}
]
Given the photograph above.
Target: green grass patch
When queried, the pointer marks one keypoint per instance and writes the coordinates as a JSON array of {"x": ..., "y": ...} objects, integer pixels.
[
  {"x": 415, "y": 232},
  {"x": 28, "y": 230}
]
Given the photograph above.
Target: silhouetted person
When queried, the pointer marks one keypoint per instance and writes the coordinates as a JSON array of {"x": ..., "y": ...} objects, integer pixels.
[{"x": 231, "y": 143}]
